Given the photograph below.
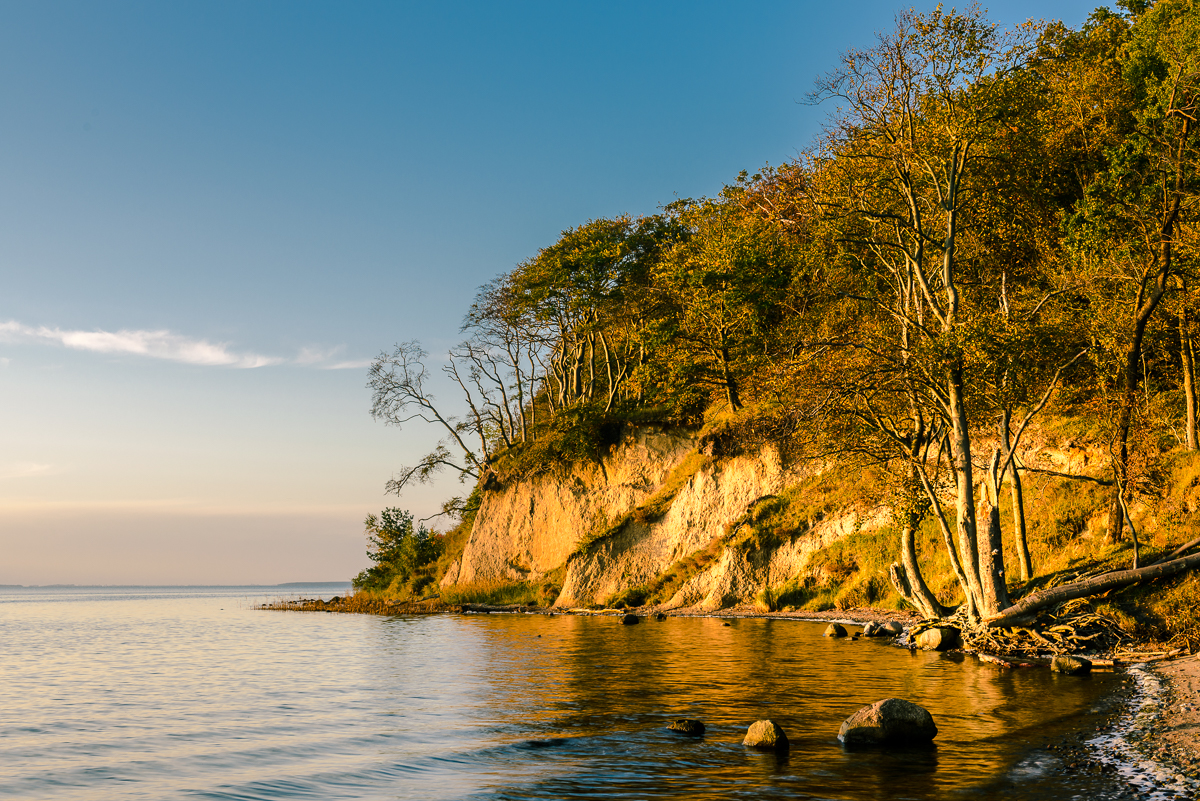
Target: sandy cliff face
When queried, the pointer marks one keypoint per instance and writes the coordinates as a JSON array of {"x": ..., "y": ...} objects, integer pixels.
[
  {"x": 551, "y": 522},
  {"x": 711, "y": 499},
  {"x": 529, "y": 528}
]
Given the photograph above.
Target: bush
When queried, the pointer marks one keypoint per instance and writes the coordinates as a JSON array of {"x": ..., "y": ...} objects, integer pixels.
[{"x": 399, "y": 552}]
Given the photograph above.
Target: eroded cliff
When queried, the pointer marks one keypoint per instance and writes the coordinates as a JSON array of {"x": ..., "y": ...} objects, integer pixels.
[{"x": 605, "y": 526}]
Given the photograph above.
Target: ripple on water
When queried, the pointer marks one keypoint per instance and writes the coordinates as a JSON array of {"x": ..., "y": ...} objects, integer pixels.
[
  {"x": 194, "y": 694},
  {"x": 1124, "y": 747}
]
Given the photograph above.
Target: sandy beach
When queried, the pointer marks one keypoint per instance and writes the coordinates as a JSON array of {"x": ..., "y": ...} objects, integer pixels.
[{"x": 1178, "y": 734}]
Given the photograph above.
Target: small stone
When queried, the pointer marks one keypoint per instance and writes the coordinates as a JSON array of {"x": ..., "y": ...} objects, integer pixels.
[
  {"x": 890, "y": 721},
  {"x": 835, "y": 630},
  {"x": 765, "y": 735},
  {"x": 726, "y": 624},
  {"x": 940, "y": 638},
  {"x": 660, "y": 616},
  {"x": 1071, "y": 665},
  {"x": 630, "y": 620},
  {"x": 692, "y": 728}
]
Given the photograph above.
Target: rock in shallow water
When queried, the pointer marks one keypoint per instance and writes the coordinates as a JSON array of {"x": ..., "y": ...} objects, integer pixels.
[
  {"x": 630, "y": 620},
  {"x": 687, "y": 726},
  {"x": 942, "y": 638},
  {"x": 1071, "y": 665},
  {"x": 766, "y": 736},
  {"x": 892, "y": 721},
  {"x": 835, "y": 630}
]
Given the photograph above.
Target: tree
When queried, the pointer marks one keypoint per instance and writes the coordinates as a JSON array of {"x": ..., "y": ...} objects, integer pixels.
[
  {"x": 397, "y": 549},
  {"x": 399, "y": 395},
  {"x": 1124, "y": 232},
  {"x": 922, "y": 113},
  {"x": 724, "y": 284}
]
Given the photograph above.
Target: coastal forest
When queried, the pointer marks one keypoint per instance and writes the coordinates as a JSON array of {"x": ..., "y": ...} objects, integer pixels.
[{"x": 989, "y": 252}]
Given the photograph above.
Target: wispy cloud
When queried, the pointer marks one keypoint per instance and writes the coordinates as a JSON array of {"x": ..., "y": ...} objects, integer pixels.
[
  {"x": 25, "y": 470},
  {"x": 152, "y": 344},
  {"x": 173, "y": 347},
  {"x": 324, "y": 359}
]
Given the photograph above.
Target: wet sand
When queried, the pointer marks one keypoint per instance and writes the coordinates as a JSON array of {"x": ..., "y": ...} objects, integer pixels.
[{"x": 1178, "y": 735}]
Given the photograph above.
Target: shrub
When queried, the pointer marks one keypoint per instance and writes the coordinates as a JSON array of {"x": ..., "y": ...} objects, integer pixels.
[{"x": 398, "y": 550}]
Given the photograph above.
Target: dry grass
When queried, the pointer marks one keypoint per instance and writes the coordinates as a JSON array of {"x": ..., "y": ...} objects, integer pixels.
[{"x": 493, "y": 593}]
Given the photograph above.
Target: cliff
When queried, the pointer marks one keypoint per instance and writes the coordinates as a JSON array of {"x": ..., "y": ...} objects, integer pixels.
[{"x": 625, "y": 520}]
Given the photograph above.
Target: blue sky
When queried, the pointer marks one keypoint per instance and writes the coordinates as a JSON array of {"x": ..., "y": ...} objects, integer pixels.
[{"x": 213, "y": 214}]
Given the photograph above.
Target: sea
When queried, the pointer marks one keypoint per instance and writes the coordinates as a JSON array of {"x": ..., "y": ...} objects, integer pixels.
[{"x": 161, "y": 693}]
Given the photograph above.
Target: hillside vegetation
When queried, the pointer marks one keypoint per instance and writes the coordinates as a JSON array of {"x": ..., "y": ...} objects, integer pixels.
[{"x": 993, "y": 240}]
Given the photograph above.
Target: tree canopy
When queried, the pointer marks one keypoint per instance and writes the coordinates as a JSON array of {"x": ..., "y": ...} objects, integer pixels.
[{"x": 995, "y": 221}]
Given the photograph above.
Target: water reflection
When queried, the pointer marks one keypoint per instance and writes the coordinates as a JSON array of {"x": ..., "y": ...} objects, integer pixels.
[
  {"x": 153, "y": 695},
  {"x": 610, "y": 690}
]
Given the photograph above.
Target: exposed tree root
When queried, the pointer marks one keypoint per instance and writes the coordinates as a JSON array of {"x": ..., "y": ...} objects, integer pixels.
[{"x": 1022, "y": 612}]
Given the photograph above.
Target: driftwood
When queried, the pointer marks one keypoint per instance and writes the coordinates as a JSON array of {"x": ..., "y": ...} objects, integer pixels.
[{"x": 1021, "y": 611}]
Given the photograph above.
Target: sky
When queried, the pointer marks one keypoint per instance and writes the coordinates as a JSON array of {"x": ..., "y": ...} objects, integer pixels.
[{"x": 213, "y": 215}]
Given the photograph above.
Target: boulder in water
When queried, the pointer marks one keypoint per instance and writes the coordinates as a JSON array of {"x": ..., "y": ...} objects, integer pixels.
[
  {"x": 888, "y": 628},
  {"x": 692, "y": 728},
  {"x": 890, "y": 721},
  {"x": 630, "y": 620},
  {"x": 765, "y": 735},
  {"x": 660, "y": 616},
  {"x": 1071, "y": 665},
  {"x": 835, "y": 630},
  {"x": 939, "y": 638}
]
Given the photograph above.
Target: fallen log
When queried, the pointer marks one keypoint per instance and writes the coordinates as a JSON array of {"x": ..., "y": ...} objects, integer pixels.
[
  {"x": 1187, "y": 546},
  {"x": 1090, "y": 586}
]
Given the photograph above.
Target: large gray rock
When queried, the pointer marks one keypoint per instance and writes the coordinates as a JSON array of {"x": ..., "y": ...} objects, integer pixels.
[
  {"x": 687, "y": 726},
  {"x": 1071, "y": 665},
  {"x": 941, "y": 638},
  {"x": 765, "y": 735},
  {"x": 835, "y": 630},
  {"x": 871, "y": 629},
  {"x": 630, "y": 620},
  {"x": 890, "y": 721}
]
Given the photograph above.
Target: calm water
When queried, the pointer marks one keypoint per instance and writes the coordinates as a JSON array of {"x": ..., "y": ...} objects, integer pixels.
[{"x": 190, "y": 693}]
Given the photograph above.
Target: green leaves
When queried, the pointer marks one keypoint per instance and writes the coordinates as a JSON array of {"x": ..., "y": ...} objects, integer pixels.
[{"x": 397, "y": 549}]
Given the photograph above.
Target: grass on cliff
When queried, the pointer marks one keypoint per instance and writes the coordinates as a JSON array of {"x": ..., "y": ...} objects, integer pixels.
[
  {"x": 1065, "y": 521},
  {"x": 653, "y": 508}
]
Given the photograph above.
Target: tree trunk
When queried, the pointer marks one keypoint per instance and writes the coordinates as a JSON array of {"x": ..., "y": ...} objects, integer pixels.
[
  {"x": 907, "y": 578},
  {"x": 1019, "y": 535},
  {"x": 960, "y": 453},
  {"x": 991, "y": 557},
  {"x": 731, "y": 389},
  {"x": 1188, "y": 359}
]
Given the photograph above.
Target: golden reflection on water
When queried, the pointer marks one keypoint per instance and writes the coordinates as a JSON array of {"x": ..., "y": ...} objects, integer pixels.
[
  {"x": 175, "y": 695},
  {"x": 590, "y": 678}
]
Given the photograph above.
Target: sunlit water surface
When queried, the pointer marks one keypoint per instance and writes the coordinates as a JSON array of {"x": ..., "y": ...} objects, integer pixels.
[{"x": 191, "y": 693}]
